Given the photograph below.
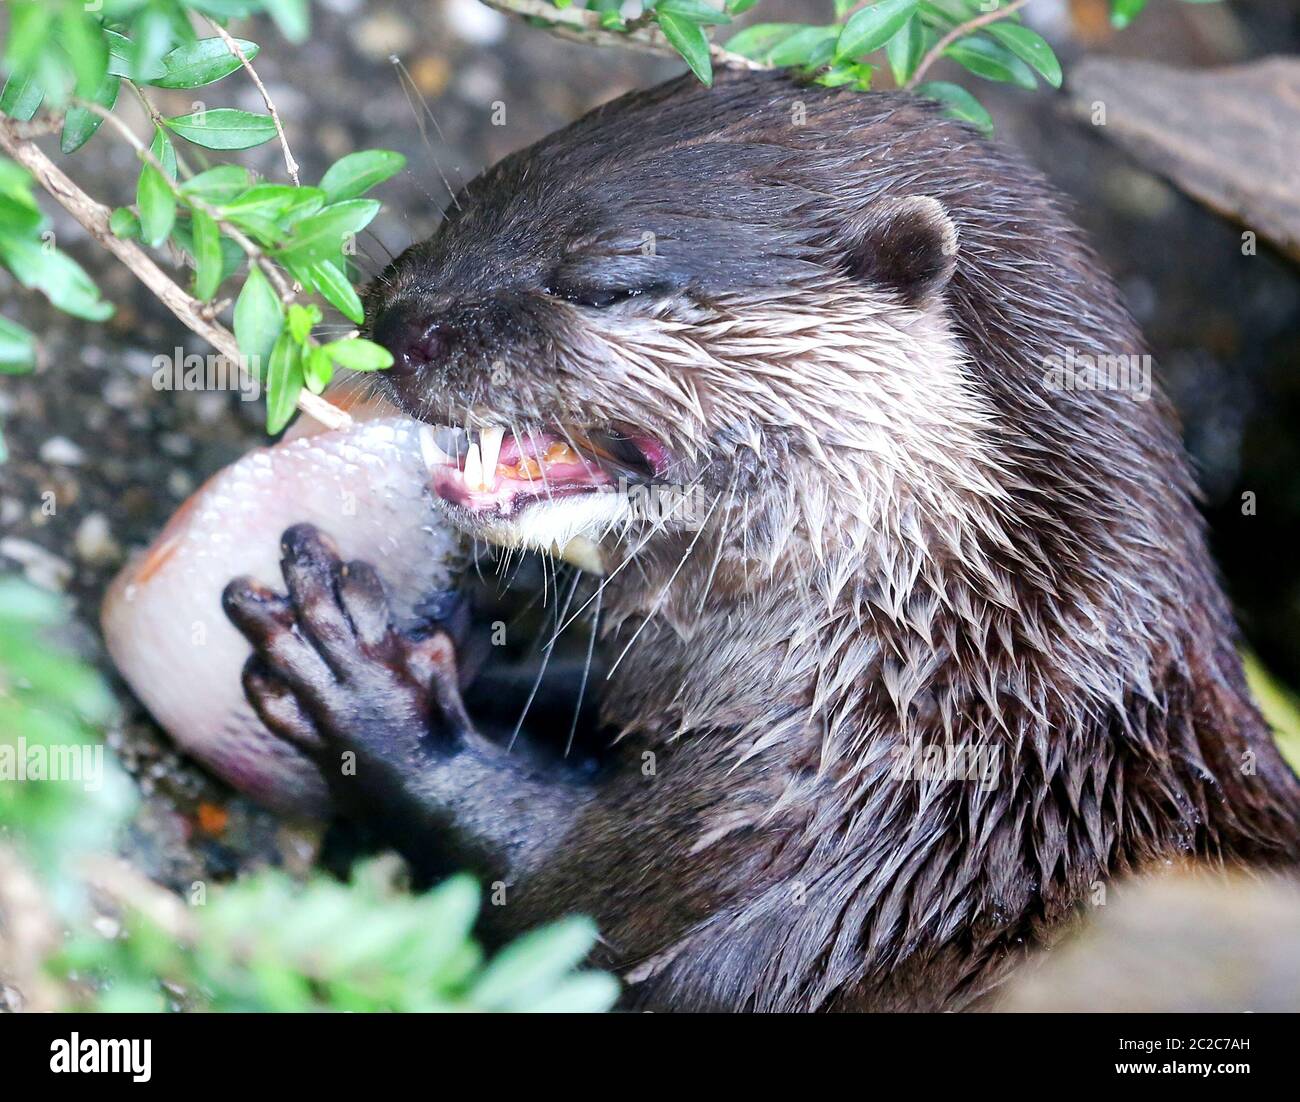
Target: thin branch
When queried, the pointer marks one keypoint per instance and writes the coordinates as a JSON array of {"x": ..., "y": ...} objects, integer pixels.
[
  {"x": 251, "y": 249},
  {"x": 93, "y": 216},
  {"x": 582, "y": 25},
  {"x": 156, "y": 118},
  {"x": 235, "y": 48},
  {"x": 962, "y": 29}
]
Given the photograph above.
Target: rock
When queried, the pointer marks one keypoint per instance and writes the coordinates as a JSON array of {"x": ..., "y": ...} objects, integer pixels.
[
  {"x": 61, "y": 451},
  {"x": 1225, "y": 136},
  {"x": 43, "y": 569},
  {"x": 382, "y": 34},
  {"x": 94, "y": 541}
]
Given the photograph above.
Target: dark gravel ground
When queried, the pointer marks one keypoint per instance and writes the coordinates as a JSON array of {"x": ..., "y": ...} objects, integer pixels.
[{"x": 99, "y": 460}]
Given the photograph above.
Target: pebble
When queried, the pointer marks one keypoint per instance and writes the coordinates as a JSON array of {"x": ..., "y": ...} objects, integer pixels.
[
  {"x": 180, "y": 484},
  {"x": 474, "y": 22},
  {"x": 94, "y": 541},
  {"x": 61, "y": 451},
  {"x": 43, "y": 569},
  {"x": 176, "y": 444},
  {"x": 382, "y": 34},
  {"x": 120, "y": 393}
]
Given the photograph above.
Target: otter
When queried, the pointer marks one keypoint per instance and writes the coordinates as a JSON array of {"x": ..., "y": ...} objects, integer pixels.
[{"x": 834, "y": 322}]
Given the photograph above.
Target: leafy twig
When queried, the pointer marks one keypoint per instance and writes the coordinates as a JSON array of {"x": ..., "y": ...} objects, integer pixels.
[
  {"x": 582, "y": 25},
  {"x": 93, "y": 216},
  {"x": 960, "y": 31},
  {"x": 235, "y": 48},
  {"x": 251, "y": 249}
]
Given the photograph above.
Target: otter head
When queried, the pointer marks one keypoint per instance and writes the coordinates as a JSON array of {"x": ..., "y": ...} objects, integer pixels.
[{"x": 693, "y": 314}]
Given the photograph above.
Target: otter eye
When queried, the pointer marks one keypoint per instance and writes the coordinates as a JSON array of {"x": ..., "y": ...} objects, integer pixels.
[{"x": 599, "y": 297}]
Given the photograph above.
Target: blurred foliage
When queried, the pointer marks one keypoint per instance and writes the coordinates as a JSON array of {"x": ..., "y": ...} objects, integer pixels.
[
  {"x": 985, "y": 37},
  {"x": 265, "y": 942},
  {"x": 1280, "y": 708}
]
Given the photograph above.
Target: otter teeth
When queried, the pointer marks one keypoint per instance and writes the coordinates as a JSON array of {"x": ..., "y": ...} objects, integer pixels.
[
  {"x": 489, "y": 442},
  {"x": 474, "y": 469},
  {"x": 432, "y": 454}
]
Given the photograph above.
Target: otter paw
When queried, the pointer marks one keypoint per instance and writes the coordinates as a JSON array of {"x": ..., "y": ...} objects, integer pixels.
[{"x": 331, "y": 673}]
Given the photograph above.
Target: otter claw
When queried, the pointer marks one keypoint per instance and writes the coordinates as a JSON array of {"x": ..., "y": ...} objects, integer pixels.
[{"x": 331, "y": 673}]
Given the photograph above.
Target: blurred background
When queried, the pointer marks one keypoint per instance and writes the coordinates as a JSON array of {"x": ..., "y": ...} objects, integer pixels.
[{"x": 1224, "y": 327}]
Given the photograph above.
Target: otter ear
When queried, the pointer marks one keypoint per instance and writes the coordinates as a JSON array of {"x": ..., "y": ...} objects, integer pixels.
[{"x": 909, "y": 246}]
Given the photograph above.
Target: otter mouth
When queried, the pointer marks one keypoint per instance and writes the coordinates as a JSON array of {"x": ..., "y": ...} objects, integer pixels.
[{"x": 494, "y": 473}]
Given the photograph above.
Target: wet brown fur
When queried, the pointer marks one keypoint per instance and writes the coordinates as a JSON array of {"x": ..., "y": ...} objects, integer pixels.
[{"x": 1023, "y": 568}]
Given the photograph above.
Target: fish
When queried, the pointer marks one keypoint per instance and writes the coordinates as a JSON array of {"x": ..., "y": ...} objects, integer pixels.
[{"x": 367, "y": 487}]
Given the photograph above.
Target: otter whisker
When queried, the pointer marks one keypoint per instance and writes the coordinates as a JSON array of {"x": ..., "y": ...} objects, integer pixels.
[
  {"x": 586, "y": 673},
  {"x": 541, "y": 672},
  {"x": 663, "y": 594},
  {"x": 412, "y": 93}
]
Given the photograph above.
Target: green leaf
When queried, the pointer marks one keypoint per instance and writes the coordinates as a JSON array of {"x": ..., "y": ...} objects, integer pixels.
[
  {"x": 960, "y": 103},
  {"x": 585, "y": 993},
  {"x": 872, "y": 27},
  {"x": 122, "y": 60},
  {"x": 58, "y": 277},
  {"x": 610, "y": 12},
  {"x": 218, "y": 185},
  {"x": 124, "y": 224},
  {"x": 689, "y": 40},
  {"x": 276, "y": 203},
  {"x": 1030, "y": 47},
  {"x": 528, "y": 969},
  {"x": 321, "y": 236},
  {"x": 283, "y": 383},
  {"x": 693, "y": 11},
  {"x": 80, "y": 123},
  {"x": 29, "y": 30},
  {"x": 905, "y": 50},
  {"x": 84, "y": 44},
  {"x": 17, "y": 348},
  {"x": 791, "y": 43},
  {"x": 317, "y": 370},
  {"x": 224, "y": 128},
  {"x": 259, "y": 320},
  {"x": 992, "y": 61},
  {"x": 841, "y": 73},
  {"x": 208, "y": 262},
  {"x": 739, "y": 7},
  {"x": 1123, "y": 12},
  {"x": 357, "y": 173},
  {"x": 154, "y": 197},
  {"x": 19, "y": 215},
  {"x": 358, "y": 354},
  {"x": 333, "y": 286},
  {"x": 302, "y": 320},
  {"x": 151, "y": 38},
  {"x": 226, "y": 9},
  {"x": 291, "y": 16},
  {"x": 753, "y": 42},
  {"x": 203, "y": 62},
  {"x": 807, "y": 46},
  {"x": 21, "y": 98}
]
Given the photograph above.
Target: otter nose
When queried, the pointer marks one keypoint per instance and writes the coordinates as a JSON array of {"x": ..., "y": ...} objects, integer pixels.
[{"x": 415, "y": 342}]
